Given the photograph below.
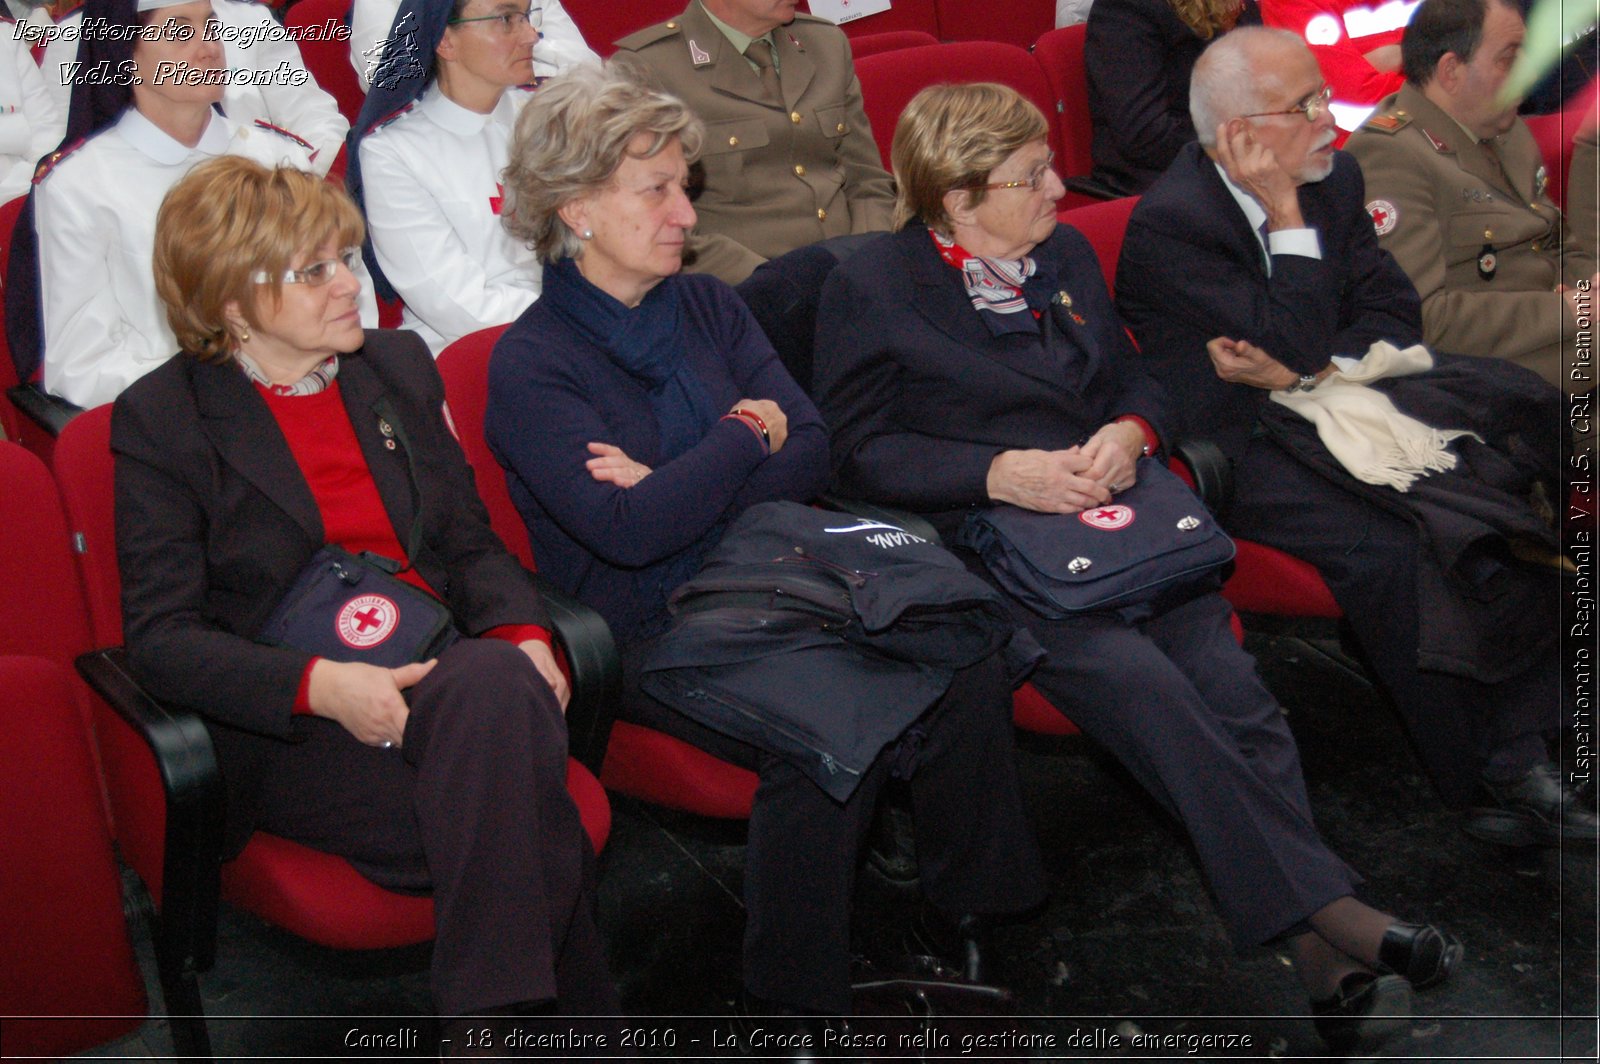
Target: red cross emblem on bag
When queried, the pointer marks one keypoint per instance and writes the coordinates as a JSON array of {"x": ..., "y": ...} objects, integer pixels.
[
  {"x": 1107, "y": 518},
  {"x": 367, "y": 620}
]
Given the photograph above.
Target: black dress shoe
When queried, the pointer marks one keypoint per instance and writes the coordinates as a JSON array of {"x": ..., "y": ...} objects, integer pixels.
[
  {"x": 1366, "y": 1011},
  {"x": 1421, "y": 953},
  {"x": 1539, "y": 809}
]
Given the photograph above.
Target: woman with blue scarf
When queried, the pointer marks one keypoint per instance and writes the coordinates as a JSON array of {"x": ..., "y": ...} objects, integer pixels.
[
  {"x": 425, "y": 159},
  {"x": 637, "y": 411}
]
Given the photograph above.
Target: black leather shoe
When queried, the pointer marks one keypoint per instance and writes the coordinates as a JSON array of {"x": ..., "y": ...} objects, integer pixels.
[
  {"x": 1539, "y": 809},
  {"x": 1421, "y": 953},
  {"x": 1367, "y": 1011}
]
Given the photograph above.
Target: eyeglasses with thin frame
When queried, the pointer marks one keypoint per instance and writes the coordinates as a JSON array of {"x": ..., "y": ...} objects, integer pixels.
[
  {"x": 1034, "y": 180},
  {"x": 507, "y": 22},
  {"x": 1312, "y": 108},
  {"x": 314, "y": 274}
]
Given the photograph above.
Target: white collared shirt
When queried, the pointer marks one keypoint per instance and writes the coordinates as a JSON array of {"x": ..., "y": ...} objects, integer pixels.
[
  {"x": 431, "y": 182},
  {"x": 288, "y": 96},
  {"x": 104, "y": 326},
  {"x": 1303, "y": 241}
]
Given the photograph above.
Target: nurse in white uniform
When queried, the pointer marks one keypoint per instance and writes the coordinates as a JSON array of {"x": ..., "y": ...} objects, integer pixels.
[
  {"x": 560, "y": 47},
  {"x": 426, "y": 166},
  {"x": 279, "y": 90},
  {"x": 95, "y": 203}
]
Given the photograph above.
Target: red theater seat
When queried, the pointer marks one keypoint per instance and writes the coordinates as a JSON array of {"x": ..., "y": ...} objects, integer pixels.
[
  {"x": 328, "y": 60},
  {"x": 890, "y": 79},
  {"x": 1018, "y": 22},
  {"x": 603, "y": 22},
  {"x": 873, "y": 43}
]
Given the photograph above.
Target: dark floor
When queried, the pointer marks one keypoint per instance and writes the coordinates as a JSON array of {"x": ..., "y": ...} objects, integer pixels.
[{"x": 1129, "y": 946}]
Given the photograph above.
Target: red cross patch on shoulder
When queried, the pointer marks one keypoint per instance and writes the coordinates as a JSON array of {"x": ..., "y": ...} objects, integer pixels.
[{"x": 1384, "y": 215}]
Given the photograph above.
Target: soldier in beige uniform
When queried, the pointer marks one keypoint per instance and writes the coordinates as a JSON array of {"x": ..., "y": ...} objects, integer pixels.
[
  {"x": 1456, "y": 190},
  {"x": 789, "y": 158}
]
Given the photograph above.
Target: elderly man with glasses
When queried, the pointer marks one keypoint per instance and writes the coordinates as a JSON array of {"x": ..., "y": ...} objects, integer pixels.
[{"x": 1251, "y": 269}]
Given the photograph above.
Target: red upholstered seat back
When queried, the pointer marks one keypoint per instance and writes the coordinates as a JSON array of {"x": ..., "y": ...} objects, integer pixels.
[
  {"x": 1060, "y": 55},
  {"x": 1104, "y": 223},
  {"x": 603, "y": 22},
  {"x": 464, "y": 365},
  {"x": 890, "y": 79},
  {"x": 1018, "y": 22},
  {"x": 873, "y": 43},
  {"x": 328, "y": 60},
  {"x": 62, "y": 931}
]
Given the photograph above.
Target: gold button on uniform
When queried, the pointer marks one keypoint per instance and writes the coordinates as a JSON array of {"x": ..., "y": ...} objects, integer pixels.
[
  {"x": 672, "y": 25},
  {"x": 799, "y": 171},
  {"x": 733, "y": 142},
  {"x": 794, "y": 116},
  {"x": 822, "y": 215},
  {"x": 839, "y": 128}
]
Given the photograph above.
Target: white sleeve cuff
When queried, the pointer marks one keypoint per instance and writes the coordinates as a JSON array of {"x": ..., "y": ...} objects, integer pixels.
[{"x": 1294, "y": 242}]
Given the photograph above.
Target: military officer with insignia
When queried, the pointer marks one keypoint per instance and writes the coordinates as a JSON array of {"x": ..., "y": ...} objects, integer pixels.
[
  {"x": 789, "y": 158},
  {"x": 1456, "y": 191}
]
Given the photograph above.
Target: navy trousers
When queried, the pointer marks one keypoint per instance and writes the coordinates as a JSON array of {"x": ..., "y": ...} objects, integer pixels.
[
  {"x": 473, "y": 806},
  {"x": 1179, "y": 703}
]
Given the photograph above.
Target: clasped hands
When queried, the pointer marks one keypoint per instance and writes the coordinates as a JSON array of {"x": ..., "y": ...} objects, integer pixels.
[{"x": 1070, "y": 480}]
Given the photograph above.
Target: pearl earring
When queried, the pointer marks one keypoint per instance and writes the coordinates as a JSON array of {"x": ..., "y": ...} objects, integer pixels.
[
  {"x": 588, "y": 234},
  {"x": 244, "y": 335}
]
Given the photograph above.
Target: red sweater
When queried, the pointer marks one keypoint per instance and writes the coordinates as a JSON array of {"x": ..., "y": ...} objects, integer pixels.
[{"x": 325, "y": 447}]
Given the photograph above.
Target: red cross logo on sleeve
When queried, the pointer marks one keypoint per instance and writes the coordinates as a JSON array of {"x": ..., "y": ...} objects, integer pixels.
[
  {"x": 498, "y": 197},
  {"x": 1384, "y": 216}
]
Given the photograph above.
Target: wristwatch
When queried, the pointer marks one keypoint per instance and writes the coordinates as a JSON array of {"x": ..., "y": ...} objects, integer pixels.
[{"x": 1307, "y": 382}]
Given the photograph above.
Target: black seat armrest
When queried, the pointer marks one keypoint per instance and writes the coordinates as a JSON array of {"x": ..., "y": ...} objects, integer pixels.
[
  {"x": 1212, "y": 472},
  {"x": 186, "y": 933},
  {"x": 596, "y": 672},
  {"x": 49, "y": 412}
]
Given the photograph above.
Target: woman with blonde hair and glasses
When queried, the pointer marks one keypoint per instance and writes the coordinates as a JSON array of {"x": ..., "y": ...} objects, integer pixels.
[
  {"x": 973, "y": 358},
  {"x": 1138, "y": 55},
  {"x": 282, "y": 429}
]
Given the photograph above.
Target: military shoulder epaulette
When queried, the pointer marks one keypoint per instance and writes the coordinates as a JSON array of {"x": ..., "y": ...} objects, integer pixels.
[
  {"x": 1390, "y": 122},
  {"x": 650, "y": 35},
  {"x": 389, "y": 118},
  {"x": 48, "y": 164},
  {"x": 262, "y": 123}
]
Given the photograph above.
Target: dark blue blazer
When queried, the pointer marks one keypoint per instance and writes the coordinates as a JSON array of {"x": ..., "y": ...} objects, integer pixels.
[
  {"x": 1192, "y": 269},
  {"x": 921, "y": 395}
]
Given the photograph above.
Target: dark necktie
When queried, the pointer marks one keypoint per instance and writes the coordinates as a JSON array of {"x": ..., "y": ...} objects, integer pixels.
[{"x": 760, "y": 53}]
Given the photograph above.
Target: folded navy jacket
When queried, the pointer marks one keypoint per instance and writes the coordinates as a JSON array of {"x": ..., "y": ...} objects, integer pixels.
[{"x": 822, "y": 637}]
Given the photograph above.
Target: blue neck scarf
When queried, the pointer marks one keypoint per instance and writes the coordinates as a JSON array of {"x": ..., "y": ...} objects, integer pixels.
[{"x": 647, "y": 342}]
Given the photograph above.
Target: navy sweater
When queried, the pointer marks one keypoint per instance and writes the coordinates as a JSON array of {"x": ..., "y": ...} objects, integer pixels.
[{"x": 552, "y": 393}]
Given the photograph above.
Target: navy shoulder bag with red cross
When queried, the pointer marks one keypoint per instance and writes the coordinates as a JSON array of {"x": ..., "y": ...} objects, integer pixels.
[
  {"x": 1153, "y": 546},
  {"x": 352, "y": 607}
]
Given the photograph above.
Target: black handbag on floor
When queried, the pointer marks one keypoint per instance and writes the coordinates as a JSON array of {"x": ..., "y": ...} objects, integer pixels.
[
  {"x": 1154, "y": 542},
  {"x": 352, "y": 607}
]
